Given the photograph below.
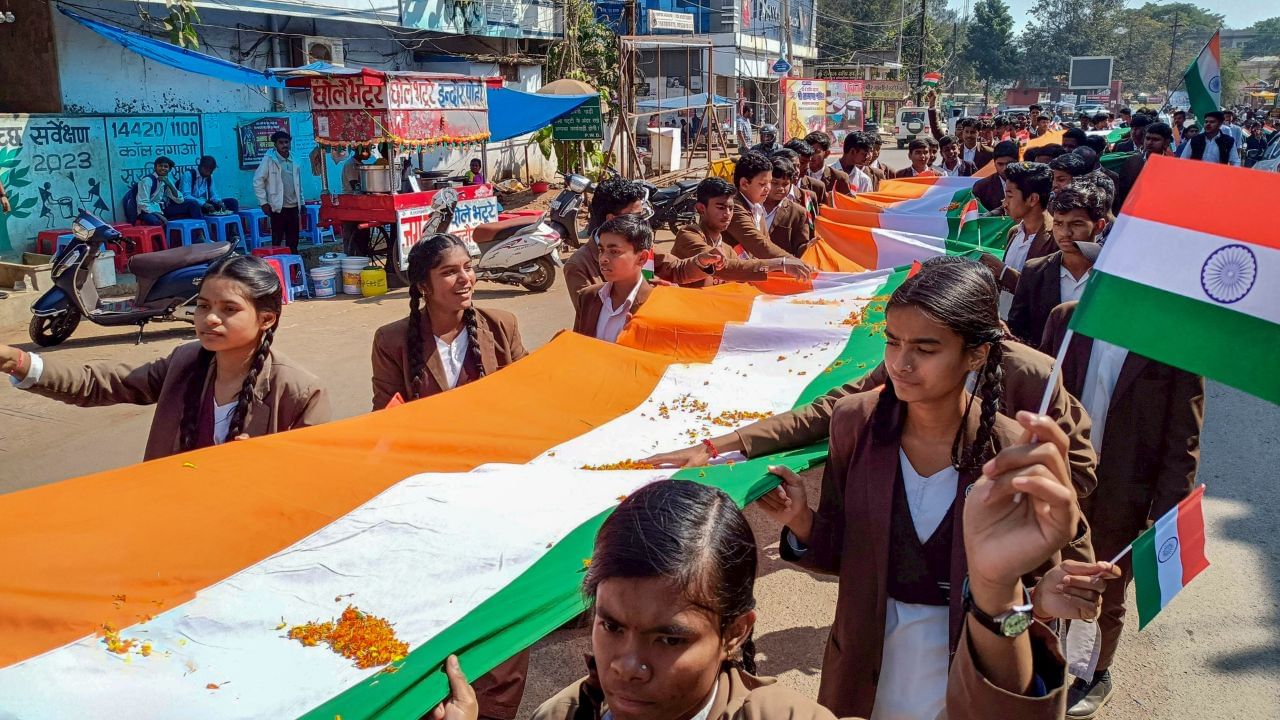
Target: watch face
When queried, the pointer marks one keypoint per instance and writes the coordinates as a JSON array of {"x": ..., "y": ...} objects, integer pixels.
[{"x": 1015, "y": 624}]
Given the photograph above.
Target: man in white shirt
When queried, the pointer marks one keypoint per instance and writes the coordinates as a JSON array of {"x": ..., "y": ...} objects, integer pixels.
[
  {"x": 857, "y": 151},
  {"x": 626, "y": 250},
  {"x": 1212, "y": 145}
]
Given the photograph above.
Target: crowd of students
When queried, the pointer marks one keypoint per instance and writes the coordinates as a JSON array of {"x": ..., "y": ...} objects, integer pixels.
[{"x": 960, "y": 523}]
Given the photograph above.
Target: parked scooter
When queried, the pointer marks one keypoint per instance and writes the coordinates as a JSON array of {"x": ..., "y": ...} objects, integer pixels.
[
  {"x": 167, "y": 284},
  {"x": 673, "y": 205},
  {"x": 525, "y": 251}
]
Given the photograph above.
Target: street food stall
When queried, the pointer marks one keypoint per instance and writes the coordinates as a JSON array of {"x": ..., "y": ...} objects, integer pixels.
[{"x": 401, "y": 115}]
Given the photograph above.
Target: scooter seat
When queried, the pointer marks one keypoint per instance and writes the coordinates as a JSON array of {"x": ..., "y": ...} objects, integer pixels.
[
  {"x": 688, "y": 184},
  {"x": 486, "y": 233},
  {"x": 149, "y": 267}
]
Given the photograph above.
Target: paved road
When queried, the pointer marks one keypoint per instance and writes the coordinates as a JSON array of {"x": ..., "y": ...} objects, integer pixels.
[{"x": 1214, "y": 653}]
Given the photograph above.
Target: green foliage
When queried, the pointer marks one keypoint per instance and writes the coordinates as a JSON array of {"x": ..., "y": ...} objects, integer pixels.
[
  {"x": 990, "y": 50},
  {"x": 181, "y": 23},
  {"x": 588, "y": 53},
  {"x": 545, "y": 142},
  {"x": 847, "y": 29},
  {"x": 1267, "y": 41}
]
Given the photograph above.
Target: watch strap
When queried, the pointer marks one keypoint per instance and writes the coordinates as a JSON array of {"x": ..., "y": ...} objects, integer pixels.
[{"x": 999, "y": 624}]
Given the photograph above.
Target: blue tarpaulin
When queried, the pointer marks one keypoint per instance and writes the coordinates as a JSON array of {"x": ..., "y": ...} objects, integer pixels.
[
  {"x": 174, "y": 56},
  {"x": 511, "y": 112}
]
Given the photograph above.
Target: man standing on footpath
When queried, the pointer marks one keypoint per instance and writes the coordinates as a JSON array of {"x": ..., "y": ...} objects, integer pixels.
[{"x": 278, "y": 187}]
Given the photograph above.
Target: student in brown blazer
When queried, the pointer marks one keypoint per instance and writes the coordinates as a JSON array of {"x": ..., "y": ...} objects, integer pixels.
[
  {"x": 1079, "y": 215},
  {"x": 918, "y": 151},
  {"x": 611, "y": 198},
  {"x": 878, "y": 169},
  {"x": 753, "y": 177},
  {"x": 787, "y": 220},
  {"x": 671, "y": 584},
  {"x": 626, "y": 245},
  {"x": 1148, "y": 421},
  {"x": 230, "y": 385},
  {"x": 448, "y": 343},
  {"x": 1026, "y": 199},
  {"x": 889, "y": 522},
  {"x": 716, "y": 209},
  {"x": 835, "y": 180},
  {"x": 804, "y": 158},
  {"x": 990, "y": 190}
]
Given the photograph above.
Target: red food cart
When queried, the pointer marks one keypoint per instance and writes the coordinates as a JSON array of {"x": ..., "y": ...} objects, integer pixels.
[{"x": 403, "y": 113}]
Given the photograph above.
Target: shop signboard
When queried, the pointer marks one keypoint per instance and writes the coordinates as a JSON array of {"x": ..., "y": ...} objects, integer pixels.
[
  {"x": 845, "y": 112},
  {"x": 481, "y": 207},
  {"x": 584, "y": 123},
  {"x": 406, "y": 110},
  {"x": 677, "y": 21},
  {"x": 885, "y": 90},
  {"x": 255, "y": 139},
  {"x": 763, "y": 19},
  {"x": 804, "y": 107}
]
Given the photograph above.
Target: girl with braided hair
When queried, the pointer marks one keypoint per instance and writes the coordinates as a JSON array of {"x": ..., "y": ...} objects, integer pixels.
[
  {"x": 888, "y": 521},
  {"x": 230, "y": 385},
  {"x": 445, "y": 341}
]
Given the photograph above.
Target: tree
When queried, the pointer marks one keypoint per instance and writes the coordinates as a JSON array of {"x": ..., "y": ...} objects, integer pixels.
[
  {"x": 1267, "y": 40},
  {"x": 990, "y": 50},
  {"x": 1061, "y": 29}
]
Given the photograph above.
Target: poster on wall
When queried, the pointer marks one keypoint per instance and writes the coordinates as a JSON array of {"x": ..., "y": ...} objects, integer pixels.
[
  {"x": 254, "y": 139},
  {"x": 844, "y": 108},
  {"x": 51, "y": 168},
  {"x": 487, "y": 18},
  {"x": 804, "y": 107},
  {"x": 135, "y": 141}
]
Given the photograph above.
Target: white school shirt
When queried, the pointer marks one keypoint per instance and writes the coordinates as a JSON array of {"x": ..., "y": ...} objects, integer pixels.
[
  {"x": 1016, "y": 256},
  {"x": 916, "y": 659},
  {"x": 612, "y": 319},
  {"x": 859, "y": 181},
  {"x": 769, "y": 215},
  {"x": 452, "y": 355},
  {"x": 1069, "y": 288},
  {"x": 1211, "y": 151},
  {"x": 968, "y": 154},
  {"x": 1105, "y": 361}
]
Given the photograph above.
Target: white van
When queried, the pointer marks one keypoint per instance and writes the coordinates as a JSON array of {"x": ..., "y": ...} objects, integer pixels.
[{"x": 910, "y": 123}]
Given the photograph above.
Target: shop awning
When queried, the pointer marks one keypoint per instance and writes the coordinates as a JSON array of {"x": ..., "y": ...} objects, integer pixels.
[
  {"x": 684, "y": 102},
  {"x": 174, "y": 56},
  {"x": 513, "y": 113}
]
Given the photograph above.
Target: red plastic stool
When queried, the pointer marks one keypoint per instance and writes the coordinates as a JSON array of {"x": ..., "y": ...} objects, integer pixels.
[
  {"x": 146, "y": 238},
  {"x": 268, "y": 251},
  {"x": 284, "y": 282},
  {"x": 47, "y": 241}
]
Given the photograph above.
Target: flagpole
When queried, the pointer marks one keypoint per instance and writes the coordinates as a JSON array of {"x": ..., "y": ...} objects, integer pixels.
[{"x": 1056, "y": 372}]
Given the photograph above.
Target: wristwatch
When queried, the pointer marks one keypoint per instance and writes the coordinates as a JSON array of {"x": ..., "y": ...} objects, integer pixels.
[{"x": 1011, "y": 623}]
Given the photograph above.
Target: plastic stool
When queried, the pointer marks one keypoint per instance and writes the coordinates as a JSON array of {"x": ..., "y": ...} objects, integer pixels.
[
  {"x": 286, "y": 296},
  {"x": 47, "y": 241},
  {"x": 295, "y": 274},
  {"x": 223, "y": 227},
  {"x": 146, "y": 238},
  {"x": 268, "y": 251},
  {"x": 256, "y": 226},
  {"x": 312, "y": 230},
  {"x": 186, "y": 230}
]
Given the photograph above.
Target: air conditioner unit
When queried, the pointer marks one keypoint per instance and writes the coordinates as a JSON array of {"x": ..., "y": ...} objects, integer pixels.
[{"x": 308, "y": 49}]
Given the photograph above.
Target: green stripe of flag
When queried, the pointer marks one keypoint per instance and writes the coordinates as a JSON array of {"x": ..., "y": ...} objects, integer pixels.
[
  {"x": 1146, "y": 577},
  {"x": 1228, "y": 346},
  {"x": 510, "y": 619}
]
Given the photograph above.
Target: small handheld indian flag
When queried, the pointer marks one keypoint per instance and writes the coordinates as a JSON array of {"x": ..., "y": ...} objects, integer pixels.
[
  {"x": 932, "y": 79},
  {"x": 647, "y": 270},
  {"x": 1169, "y": 556}
]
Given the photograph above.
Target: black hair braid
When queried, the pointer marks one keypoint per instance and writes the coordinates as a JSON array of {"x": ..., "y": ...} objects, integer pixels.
[
  {"x": 748, "y": 661},
  {"x": 241, "y": 413},
  {"x": 413, "y": 344},
  {"x": 989, "y": 388},
  {"x": 192, "y": 399},
  {"x": 471, "y": 321}
]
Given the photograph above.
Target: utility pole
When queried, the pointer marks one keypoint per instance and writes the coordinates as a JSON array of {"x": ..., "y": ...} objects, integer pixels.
[
  {"x": 920, "y": 57},
  {"x": 902, "y": 20},
  {"x": 1173, "y": 46},
  {"x": 786, "y": 31}
]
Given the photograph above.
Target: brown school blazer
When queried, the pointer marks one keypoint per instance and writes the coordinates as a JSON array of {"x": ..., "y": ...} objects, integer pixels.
[
  {"x": 1126, "y": 176},
  {"x": 850, "y": 539},
  {"x": 499, "y": 340},
  {"x": 837, "y": 181},
  {"x": 1038, "y": 292},
  {"x": 815, "y": 186},
  {"x": 742, "y": 231},
  {"x": 1151, "y": 447},
  {"x": 1026, "y": 371},
  {"x": 285, "y": 396},
  {"x": 1042, "y": 245},
  {"x": 590, "y": 305},
  {"x": 740, "y": 696},
  {"x": 691, "y": 242},
  {"x": 583, "y": 269},
  {"x": 790, "y": 229},
  {"x": 990, "y": 192}
]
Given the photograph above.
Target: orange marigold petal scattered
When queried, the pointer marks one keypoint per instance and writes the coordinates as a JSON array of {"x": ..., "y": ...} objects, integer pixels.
[{"x": 367, "y": 639}]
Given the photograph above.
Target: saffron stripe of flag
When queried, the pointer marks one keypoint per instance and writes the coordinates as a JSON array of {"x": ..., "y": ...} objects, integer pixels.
[{"x": 1168, "y": 556}]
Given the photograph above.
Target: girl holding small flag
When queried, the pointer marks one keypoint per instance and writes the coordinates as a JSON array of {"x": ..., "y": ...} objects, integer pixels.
[{"x": 229, "y": 385}]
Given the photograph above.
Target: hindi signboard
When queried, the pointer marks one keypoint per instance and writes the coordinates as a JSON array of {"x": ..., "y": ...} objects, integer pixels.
[
  {"x": 678, "y": 21},
  {"x": 844, "y": 107},
  {"x": 804, "y": 107},
  {"x": 584, "y": 123}
]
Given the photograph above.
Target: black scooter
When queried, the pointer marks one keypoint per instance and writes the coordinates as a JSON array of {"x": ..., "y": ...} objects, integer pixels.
[{"x": 167, "y": 284}]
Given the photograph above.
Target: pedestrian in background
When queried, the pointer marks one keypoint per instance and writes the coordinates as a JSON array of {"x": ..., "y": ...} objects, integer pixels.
[{"x": 278, "y": 186}]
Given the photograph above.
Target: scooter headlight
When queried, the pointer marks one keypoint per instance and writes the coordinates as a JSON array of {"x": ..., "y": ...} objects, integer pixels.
[
  {"x": 578, "y": 183},
  {"x": 82, "y": 229}
]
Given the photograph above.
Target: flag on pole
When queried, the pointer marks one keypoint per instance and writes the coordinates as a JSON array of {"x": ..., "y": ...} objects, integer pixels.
[
  {"x": 932, "y": 79},
  {"x": 1196, "y": 290},
  {"x": 1168, "y": 556},
  {"x": 1203, "y": 79}
]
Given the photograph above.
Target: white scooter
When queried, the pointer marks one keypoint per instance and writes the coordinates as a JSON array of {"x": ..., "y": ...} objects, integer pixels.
[{"x": 526, "y": 252}]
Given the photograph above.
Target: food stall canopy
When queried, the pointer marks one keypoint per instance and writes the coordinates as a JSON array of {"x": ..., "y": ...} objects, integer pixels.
[
  {"x": 513, "y": 113},
  {"x": 684, "y": 102}
]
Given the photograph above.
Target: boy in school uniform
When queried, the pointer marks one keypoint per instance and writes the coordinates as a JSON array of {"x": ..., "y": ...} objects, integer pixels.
[
  {"x": 787, "y": 220},
  {"x": 747, "y": 232},
  {"x": 1026, "y": 199},
  {"x": 834, "y": 179},
  {"x": 716, "y": 211},
  {"x": 626, "y": 247},
  {"x": 1147, "y": 418},
  {"x": 918, "y": 152}
]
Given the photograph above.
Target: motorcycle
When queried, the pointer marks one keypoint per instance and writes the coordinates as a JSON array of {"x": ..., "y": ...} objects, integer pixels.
[
  {"x": 167, "y": 284},
  {"x": 673, "y": 205},
  {"x": 525, "y": 251}
]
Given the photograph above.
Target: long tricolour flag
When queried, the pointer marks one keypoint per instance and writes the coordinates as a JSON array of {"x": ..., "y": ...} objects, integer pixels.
[
  {"x": 1168, "y": 556},
  {"x": 1203, "y": 79},
  {"x": 1196, "y": 290},
  {"x": 464, "y": 518}
]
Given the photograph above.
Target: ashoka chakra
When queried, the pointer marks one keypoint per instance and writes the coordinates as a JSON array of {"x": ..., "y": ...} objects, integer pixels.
[{"x": 1229, "y": 273}]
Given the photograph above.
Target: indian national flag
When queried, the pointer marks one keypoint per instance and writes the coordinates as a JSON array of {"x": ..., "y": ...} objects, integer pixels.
[
  {"x": 1168, "y": 556},
  {"x": 932, "y": 79},
  {"x": 463, "y": 519},
  {"x": 1203, "y": 79},
  {"x": 648, "y": 270},
  {"x": 1196, "y": 290}
]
